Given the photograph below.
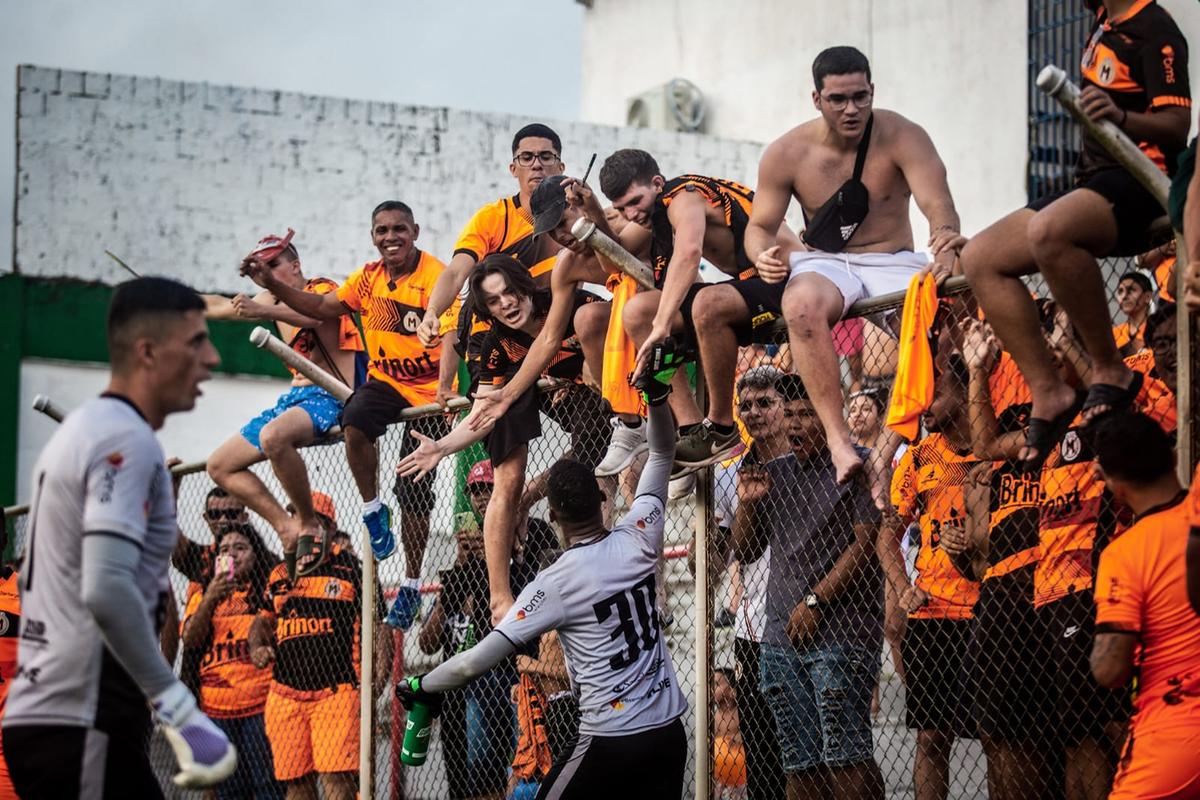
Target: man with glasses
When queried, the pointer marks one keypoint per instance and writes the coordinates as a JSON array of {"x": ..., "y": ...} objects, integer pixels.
[
  {"x": 221, "y": 510},
  {"x": 302, "y": 414},
  {"x": 853, "y": 170},
  {"x": 505, "y": 226}
]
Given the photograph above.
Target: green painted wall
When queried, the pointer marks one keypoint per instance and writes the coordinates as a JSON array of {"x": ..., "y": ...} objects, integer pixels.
[{"x": 64, "y": 319}]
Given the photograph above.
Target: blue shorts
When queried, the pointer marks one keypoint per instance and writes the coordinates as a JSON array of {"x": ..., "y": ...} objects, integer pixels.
[
  {"x": 821, "y": 701},
  {"x": 322, "y": 408}
]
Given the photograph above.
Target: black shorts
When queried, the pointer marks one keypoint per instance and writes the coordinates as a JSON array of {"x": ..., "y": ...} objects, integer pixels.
[
  {"x": 1082, "y": 707},
  {"x": 1133, "y": 206},
  {"x": 646, "y": 765},
  {"x": 375, "y": 406},
  {"x": 580, "y": 411},
  {"x": 765, "y": 301},
  {"x": 49, "y": 762},
  {"x": 1010, "y": 684},
  {"x": 934, "y": 653}
]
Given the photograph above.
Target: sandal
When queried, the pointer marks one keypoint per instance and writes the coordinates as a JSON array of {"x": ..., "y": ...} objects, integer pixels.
[
  {"x": 1116, "y": 398},
  {"x": 1043, "y": 435},
  {"x": 311, "y": 552}
]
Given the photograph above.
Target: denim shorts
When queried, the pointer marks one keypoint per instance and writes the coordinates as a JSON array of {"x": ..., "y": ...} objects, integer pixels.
[
  {"x": 821, "y": 701},
  {"x": 322, "y": 408}
]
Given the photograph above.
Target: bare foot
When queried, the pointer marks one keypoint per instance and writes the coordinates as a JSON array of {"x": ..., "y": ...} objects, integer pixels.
[
  {"x": 500, "y": 607},
  {"x": 846, "y": 461},
  {"x": 1048, "y": 406},
  {"x": 289, "y": 533}
]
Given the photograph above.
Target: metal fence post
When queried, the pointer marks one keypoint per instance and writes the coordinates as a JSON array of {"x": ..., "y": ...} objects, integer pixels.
[
  {"x": 703, "y": 522},
  {"x": 366, "y": 725}
]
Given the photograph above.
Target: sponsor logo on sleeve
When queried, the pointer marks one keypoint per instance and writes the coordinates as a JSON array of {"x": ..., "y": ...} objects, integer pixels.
[{"x": 538, "y": 598}]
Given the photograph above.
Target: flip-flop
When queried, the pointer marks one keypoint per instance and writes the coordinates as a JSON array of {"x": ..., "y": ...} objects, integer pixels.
[
  {"x": 308, "y": 545},
  {"x": 1044, "y": 434},
  {"x": 1117, "y": 398}
]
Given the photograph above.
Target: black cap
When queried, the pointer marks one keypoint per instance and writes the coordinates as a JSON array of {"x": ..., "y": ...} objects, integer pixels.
[
  {"x": 547, "y": 204},
  {"x": 1138, "y": 277}
]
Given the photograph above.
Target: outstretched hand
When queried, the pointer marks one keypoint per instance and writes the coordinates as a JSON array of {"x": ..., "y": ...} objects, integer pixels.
[
  {"x": 423, "y": 460},
  {"x": 429, "y": 332},
  {"x": 486, "y": 410}
]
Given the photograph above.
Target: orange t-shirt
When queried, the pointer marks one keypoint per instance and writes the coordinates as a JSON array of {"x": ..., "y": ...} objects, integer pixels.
[
  {"x": 304, "y": 340},
  {"x": 10, "y": 624},
  {"x": 230, "y": 686},
  {"x": 1015, "y": 495},
  {"x": 506, "y": 226},
  {"x": 391, "y": 312},
  {"x": 1142, "y": 588},
  {"x": 928, "y": 485}
]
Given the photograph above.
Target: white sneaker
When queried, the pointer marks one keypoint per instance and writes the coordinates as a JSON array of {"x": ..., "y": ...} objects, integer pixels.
[
  {"x": 626, "y": 445},
  {"x": 681, "y": 487}
]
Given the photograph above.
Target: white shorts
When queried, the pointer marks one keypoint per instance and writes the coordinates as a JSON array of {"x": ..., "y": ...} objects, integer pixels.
[{"x": 859, "y": 276}]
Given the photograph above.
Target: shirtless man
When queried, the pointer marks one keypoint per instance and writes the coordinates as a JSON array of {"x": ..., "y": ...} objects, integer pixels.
[
  {"x": 304, "y": 413},
  {"x": 859, "y": 248}
]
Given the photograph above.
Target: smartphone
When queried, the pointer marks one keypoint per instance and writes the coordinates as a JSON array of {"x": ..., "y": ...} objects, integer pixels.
[{"x": 224, "y": 566}]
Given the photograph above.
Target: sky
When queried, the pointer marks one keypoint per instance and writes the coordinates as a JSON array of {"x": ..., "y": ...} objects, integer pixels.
[{"x": 516, "y": 56}]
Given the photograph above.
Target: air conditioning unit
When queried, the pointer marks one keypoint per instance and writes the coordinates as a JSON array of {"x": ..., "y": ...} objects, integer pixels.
[{"x": 677, "y": 105}]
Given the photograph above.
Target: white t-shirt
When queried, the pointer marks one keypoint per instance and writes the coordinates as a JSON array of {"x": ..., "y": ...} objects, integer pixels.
[
  {"x": 600, "y": 597},
  {"x": 751, "y": 613},
  {"x": 102, "y": 471}
]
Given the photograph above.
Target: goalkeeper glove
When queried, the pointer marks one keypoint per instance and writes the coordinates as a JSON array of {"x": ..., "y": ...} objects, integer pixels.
[{"x": 204, "y": 753}]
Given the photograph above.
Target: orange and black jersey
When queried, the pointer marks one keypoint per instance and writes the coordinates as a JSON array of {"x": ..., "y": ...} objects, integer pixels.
[
  {"x": 1015, "y": 495},
  {"x": 1141, "y": 61},
  {"x": 317, "y": 630},
  {"x": 230, "y": 685},
  {"x": 305, "y": 341},
  {"x": 10, "y": 624},
  {"x": 504, "y": 349},
  {"x": 732, "y": 198},
  {"x": 506, "y": 226},
  {"x": 928, "y": 485}
]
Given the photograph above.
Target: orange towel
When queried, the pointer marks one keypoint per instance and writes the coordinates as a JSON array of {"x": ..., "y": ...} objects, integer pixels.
[
  {"x": 620, "y": 356},
  {"x": 913, "y": 392},
  {"x": 533, "y": 759}
]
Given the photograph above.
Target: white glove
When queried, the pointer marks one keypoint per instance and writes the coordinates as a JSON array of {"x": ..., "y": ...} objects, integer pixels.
[{"x": 204, "y": 753}]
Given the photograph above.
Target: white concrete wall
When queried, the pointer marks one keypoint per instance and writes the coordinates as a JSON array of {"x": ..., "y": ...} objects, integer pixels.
[
  {"x": 957, "y": 67},
  {"x": 182, "y": 178}
]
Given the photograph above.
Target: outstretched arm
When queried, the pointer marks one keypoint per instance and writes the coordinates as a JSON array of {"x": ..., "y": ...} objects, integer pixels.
[
  {"x": 444, "y": 291},
  {"x": 315, "y": 306},
  {"x": 661, "y": 435},
  {"x": 469, "y": 664},
  {"x": 688, "y": 222},
  {"x": 429, "y": 453}
]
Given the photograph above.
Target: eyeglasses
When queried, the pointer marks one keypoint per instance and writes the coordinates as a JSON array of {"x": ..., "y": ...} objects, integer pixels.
[
  {"x": 525, "y": 158},
  {"x": 215, "y": 514},
  {"x": 761, "y": 403},
  {"x": 838, "y": 102}
]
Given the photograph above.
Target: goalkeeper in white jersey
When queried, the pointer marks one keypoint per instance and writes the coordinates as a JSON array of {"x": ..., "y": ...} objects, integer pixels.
[
  {"x": 94, "y": 583},
  {"x": 600, "y": 597}
]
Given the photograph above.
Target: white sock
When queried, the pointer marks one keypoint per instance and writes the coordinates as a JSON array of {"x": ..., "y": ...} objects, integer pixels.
[
  {"x": 371, "y": 506},
  {"x": 410, "y": 583}
]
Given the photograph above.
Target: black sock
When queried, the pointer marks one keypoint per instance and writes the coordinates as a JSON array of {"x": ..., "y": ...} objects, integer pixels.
[
  {"x": 631, "y": 425},
  {"x": 724, "y": 430},
  {"x": 684, "y": 430}
]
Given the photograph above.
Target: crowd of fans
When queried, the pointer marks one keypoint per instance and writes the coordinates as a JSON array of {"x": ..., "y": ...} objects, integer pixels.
[{"x": 986, "y": 484}]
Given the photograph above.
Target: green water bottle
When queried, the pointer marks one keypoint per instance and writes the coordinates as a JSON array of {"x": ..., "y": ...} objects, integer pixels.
[{"x": 416, "y": 731}]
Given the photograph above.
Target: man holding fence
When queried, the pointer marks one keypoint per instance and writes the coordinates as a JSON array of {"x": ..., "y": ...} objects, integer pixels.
[
  {"x": 303, "y": 413},
  {"x": 853, "y": 170},
  {"x": 391, "y": 294}
]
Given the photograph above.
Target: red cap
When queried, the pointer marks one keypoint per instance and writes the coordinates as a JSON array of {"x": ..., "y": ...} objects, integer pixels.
[
  {"x": 481, "y": 472},
  {"x": 270, "y": 246},
  {"x": 323, "y": 504}
]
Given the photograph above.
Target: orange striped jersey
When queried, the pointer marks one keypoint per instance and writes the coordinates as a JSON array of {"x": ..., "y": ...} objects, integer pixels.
[
  {"x": 735, "y": 201},
  {"x": 504, "y": 349},
  {"x": 1145, "y": 584},
  {"x": 506, "y": 226},
  {"x": 317, "y": 623},
  {"x": 928, "y": 485},
  {"x": 230, "y": 686},
  {"x": 1123, "y": 334},
  {"x": 1015, "y": 496},
  {"x": 10, "y": 624},
  {"x": 391, "y": 311},
  {"x": 1140, "y": 60},
  {"x": 304, "y": 340}
]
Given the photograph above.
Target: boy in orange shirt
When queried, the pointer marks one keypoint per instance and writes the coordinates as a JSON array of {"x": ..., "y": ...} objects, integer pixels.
[{"x": 1145, "y": 619}]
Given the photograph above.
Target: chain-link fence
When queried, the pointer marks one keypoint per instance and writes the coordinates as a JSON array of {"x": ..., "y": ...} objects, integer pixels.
[{"x": 936, "y": 648}]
